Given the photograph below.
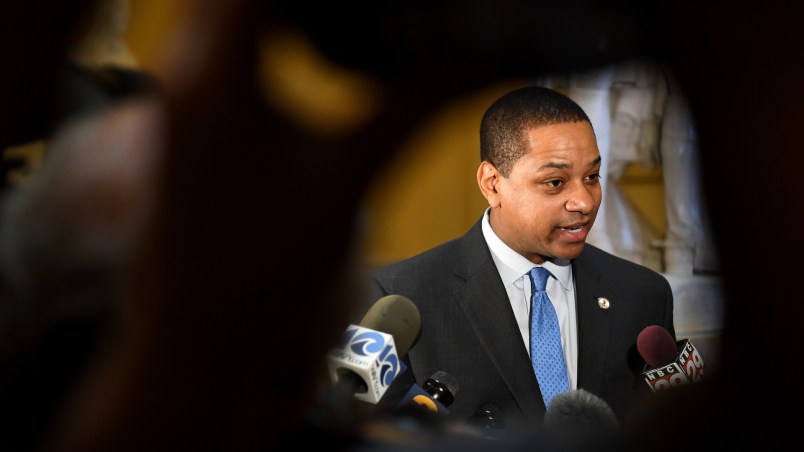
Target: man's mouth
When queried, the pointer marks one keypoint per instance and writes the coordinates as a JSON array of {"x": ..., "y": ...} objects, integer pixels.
[{"x": 576, "y": 228}]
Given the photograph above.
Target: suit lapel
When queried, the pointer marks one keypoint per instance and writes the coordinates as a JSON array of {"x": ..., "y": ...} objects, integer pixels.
[
  {"x": 480, "y": 294},
  {"x": 593, "y": 323}
]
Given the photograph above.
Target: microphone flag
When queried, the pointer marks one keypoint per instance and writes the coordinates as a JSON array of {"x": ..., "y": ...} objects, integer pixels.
[
  {"x": 688, "y": 367},
  {"x": 369, "y": 354}
]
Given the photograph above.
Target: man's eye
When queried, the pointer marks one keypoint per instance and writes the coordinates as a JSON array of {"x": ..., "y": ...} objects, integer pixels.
[
  {"x": 593, "y": 177},
  {"x": 554, "y": 183}
]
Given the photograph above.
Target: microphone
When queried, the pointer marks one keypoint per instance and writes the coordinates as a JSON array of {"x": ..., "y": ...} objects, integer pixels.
[
  {"x": 579, "y": 410},
  {"x": 367, "y": 359},
  {"x": 438, "y": 393},
  {"x": 668, "y": 363},
  {"x": 577, "y": 419},
  {"x": 442, "y": 387},
  {"x": 488, "y": 415},
  {"x": 488, "y": 422}
]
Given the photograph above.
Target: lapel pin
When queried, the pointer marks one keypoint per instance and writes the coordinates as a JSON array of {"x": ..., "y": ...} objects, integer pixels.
[{"x": 603, "y": 303}]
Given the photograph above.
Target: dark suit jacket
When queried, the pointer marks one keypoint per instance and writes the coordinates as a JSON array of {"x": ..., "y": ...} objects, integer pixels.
[{"x": 468, "y": 328}]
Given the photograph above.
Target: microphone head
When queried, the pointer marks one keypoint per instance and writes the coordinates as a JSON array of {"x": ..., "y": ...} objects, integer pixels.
[
  {"x": 578, "y": 420},
  {"x": 395, "y": 315},
  {"x": 656, "y": 346},
  {"x": 442, "y": 386},
  {"x": 488, "y": 415},
  {"x": 580, "y": 411}
]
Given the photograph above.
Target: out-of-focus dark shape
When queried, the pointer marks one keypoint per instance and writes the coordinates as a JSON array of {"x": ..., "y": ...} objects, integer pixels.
[
  {"x": 481, "y": 39},
  {"x": 75, "y": 92},
  {"x": 56, "y": 83},
  {"x": 34, "y": 43}
]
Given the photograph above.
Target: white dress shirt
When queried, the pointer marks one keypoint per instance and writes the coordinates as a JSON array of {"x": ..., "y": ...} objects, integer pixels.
[{"x": 513, "y": 269}]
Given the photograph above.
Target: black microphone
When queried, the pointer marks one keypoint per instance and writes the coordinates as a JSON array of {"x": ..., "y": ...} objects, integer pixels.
[
  {"x": 437, "y": 394},
  {"x": 669, "y": 363},
  {"x": 488, "y": 415},
  {"x": 579, "y": 410},
  {"x": 579, "y": 418},
  {"x": 368, "y": 357},
  {"x": 443, "y": 387},
  {"x": 488, "y": 422}
]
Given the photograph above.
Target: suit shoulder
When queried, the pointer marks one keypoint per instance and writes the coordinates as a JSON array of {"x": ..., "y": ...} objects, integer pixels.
[{"x": 435, "y": 258}]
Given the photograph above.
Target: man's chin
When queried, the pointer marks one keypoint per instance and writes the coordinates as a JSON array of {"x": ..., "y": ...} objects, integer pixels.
[{"x": 570, "y": 252}]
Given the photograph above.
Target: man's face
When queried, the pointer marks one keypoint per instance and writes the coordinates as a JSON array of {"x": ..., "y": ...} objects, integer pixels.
[{"x": 546, "y": 206}]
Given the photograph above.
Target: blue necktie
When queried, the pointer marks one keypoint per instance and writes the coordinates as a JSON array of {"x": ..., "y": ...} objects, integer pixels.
[{"x": 546, "y": 353}]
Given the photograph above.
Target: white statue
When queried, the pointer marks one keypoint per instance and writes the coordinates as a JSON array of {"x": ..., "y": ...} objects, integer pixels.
[{"x": 641, "y": 116}]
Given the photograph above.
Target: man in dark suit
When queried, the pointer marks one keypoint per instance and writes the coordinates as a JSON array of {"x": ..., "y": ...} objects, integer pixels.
[{"x": 539, "y": 172}]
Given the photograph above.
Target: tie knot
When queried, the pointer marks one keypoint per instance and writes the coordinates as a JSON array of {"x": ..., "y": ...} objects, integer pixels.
[{"x": 538, "y": 276}]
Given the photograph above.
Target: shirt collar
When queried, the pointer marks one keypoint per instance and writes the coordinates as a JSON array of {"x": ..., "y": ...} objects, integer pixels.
[{"x": 513, "y": 265}]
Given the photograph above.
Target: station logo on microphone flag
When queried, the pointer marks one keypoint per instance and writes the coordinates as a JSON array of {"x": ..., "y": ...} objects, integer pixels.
[{"x": 371, "y": 355}]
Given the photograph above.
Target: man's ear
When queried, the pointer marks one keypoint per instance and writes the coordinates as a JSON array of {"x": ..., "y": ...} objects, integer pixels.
[{"x": 487, "y": 179}]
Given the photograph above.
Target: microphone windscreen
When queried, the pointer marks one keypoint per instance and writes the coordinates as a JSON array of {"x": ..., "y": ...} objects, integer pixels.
[
  {"x": 395, "y": 315},
  {"x": 656, "y": 346},
  {"x": 580, "y": 411}
]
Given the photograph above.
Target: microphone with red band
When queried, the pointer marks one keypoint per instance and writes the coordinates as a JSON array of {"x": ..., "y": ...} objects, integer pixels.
[
  {"x": 669, "y": 363},
  {"x": 368, "y": 357}
]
